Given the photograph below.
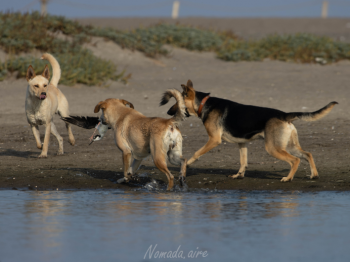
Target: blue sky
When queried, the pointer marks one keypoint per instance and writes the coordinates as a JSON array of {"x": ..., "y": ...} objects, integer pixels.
[{"x": 162, "y": 8}]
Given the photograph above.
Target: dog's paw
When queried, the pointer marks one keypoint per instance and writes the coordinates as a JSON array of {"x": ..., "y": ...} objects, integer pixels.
[
  {"x": 60, "y": 153},
  {"x": 237, "y": 176},
  {"x": 182, "y": 180},
  {"x": 40, "y": 146},
  {"x": 170, "y": 187},
  {"x": 286, "y": 179},
  {"x": 135, "y": 178},
  {"x": 132, "y": 177},
  {"x": 314, "y": 177},
  {"x": 122, "y": 180},
  {"x": 42, "y": 156}
]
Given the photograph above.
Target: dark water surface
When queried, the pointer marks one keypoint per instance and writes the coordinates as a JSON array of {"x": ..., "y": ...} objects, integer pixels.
[{"x": 121, "y": 226}]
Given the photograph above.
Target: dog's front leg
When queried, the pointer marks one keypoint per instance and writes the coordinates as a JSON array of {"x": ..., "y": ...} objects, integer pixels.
[
  {"x": 35, "y": 130},
  {"x": 46, "y": 140},
  {"x": 182, "y": 175},
  {"x": 212, "y": 142},
  {"x": 135, "y": 166},
  {"x": 243, "y": 153}
]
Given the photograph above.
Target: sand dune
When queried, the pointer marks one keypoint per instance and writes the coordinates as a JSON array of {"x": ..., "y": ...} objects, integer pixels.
[{"x": 248, "y": 28}]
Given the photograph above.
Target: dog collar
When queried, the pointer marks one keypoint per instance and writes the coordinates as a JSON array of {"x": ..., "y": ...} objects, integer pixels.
[{"x": 201, "y": 105}]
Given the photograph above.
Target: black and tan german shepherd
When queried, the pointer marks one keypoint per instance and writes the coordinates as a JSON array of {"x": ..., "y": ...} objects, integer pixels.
[{"x": 237, "y": 123}]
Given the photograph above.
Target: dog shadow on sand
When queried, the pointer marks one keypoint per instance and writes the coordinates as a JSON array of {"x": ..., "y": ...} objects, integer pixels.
[
  {"x": 22, "y": 154},
  {"x": 224, "y": 173}
]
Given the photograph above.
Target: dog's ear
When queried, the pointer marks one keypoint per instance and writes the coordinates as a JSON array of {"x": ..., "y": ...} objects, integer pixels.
[
  {"x": 184, "y": 87},
  {"x": 30, "y": 73},
  {"x": 46, "y": 72},
  {"x": 189, "y": 83},
  {"x": 101, "y": 105},
  {"x": 127, "y": 103},
  {"x": 172, "y": 111},
  {"x": 189, "y": 91}
]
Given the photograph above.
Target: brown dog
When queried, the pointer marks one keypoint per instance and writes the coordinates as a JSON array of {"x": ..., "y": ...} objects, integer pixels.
[
  {"x": 237, "y": 123},
  {"x": 138, "y": 136},
  {"x": 43, "y": 100}
]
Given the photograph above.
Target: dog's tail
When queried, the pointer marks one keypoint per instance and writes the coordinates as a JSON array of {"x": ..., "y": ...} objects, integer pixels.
[
  {"x": 313, "y": 116},
  {"x": 180, "y": 114},
  {"x": 56, "y": 69}
]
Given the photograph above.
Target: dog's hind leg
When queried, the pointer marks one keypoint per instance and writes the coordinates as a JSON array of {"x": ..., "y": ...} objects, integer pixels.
[
  {"x": 127, "y": 158},
  {"x": 295, "y": 149},
  {"x": 175, "y": 157},
  {"x": 58, "y": 137},
  {"x": 160, "y": 162},
  {"x": 46, "y": 141},
  {"x": 35, "y": 130},
  {"x": 71, "y": 138},
  {"x": 63, "y": 111},
  {"x": 134, "y": 166},
  {"x": 159, "y": 154},
  {"x": 243, "y": 154},
  {"x": 285, "y": 156},
  {"x": 277, "y": 136}
]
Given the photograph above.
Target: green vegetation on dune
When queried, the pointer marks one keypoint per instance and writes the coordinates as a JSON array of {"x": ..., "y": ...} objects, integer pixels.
[
  {"x": 152, "y": 39},
  {"x": 22, "y": 33},
  {"x": 304, "y": 48},
  {"x": 85, "y": 68}
]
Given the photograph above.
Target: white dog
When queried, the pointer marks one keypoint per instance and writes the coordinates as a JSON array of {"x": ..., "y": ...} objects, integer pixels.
[{"x": 43, "y": 100}]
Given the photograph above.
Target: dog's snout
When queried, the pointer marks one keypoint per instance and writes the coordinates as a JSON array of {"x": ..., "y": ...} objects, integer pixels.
[{"x": 42, "y": 95}]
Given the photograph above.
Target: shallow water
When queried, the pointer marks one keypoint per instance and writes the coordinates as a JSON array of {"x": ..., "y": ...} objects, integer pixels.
[{"x": 121, "y": 226}]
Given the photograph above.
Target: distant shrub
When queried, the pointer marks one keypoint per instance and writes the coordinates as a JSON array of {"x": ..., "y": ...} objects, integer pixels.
[
  {"x": 181, "y": 36},
  {"x": 139, "y": 40},
  {"x": 85, "y": 68},
  {"x": 151, "y": 40},
  {"x": 26, "y": 32},
  {"x": 238, "y": 50},
  {"x": 304, "y": 48}
]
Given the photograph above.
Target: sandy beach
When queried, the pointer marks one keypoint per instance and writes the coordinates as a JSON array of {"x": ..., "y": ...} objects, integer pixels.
[{"x": 288, "y": 87}]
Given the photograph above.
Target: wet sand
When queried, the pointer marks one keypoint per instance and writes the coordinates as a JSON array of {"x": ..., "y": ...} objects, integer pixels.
[{"x": 285, "y": 86}]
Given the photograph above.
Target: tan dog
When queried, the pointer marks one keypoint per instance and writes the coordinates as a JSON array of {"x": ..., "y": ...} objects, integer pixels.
[
  {"x": 237, "y": 123},
  {"x": 138, "y": 136},
  {"x": 43, "y": 100}
]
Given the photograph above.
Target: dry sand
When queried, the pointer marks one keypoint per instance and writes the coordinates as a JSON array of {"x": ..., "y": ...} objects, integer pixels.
[{"x": 285, "y": 86}]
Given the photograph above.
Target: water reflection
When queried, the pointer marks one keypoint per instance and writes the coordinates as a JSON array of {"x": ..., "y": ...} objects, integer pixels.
[
  {"x": 47, "y": 205},
  {"x": 212, "y": 208},
  {"x": 66, "y": 225}
]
